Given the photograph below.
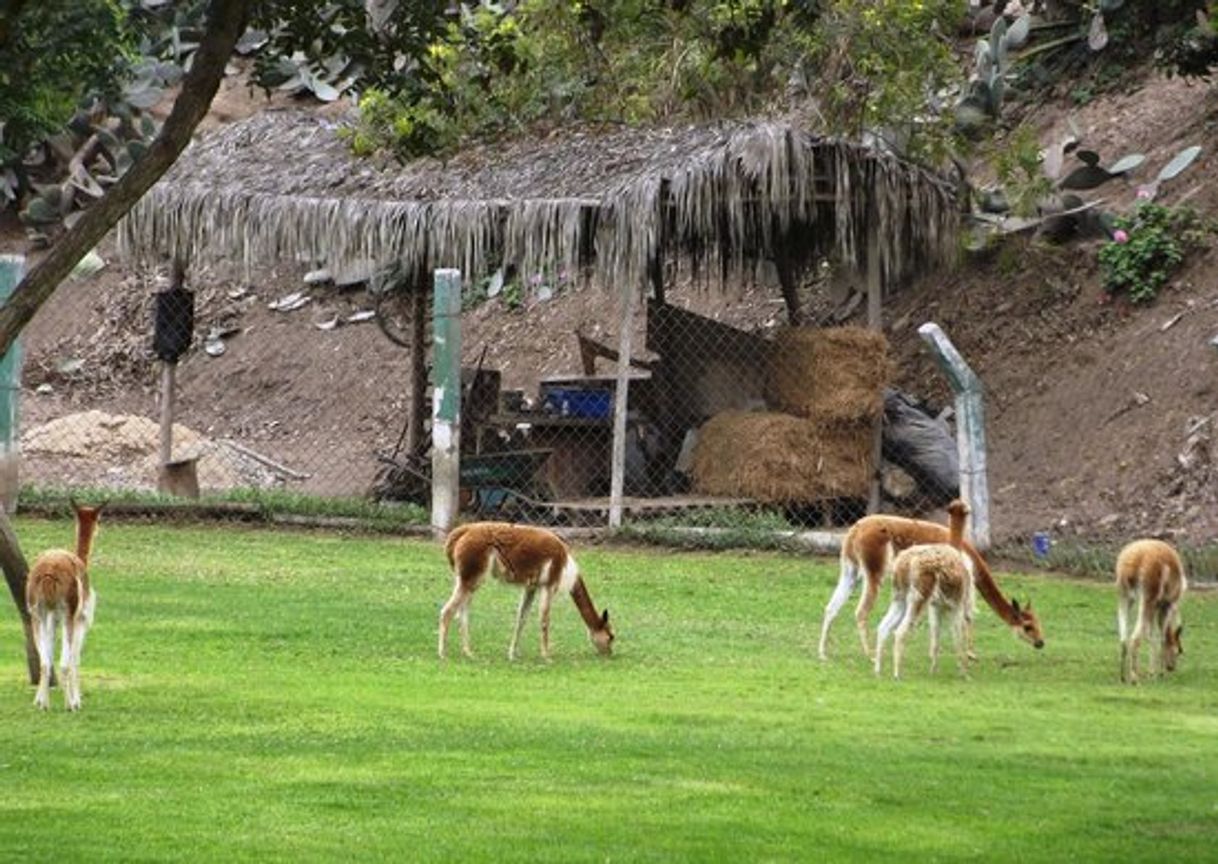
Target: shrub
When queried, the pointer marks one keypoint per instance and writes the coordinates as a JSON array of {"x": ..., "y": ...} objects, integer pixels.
[{"x": 1147, "y": 247}]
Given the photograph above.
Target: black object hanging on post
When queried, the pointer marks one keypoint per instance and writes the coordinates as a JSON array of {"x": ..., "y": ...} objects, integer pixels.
[{"x": 175, "y": 323}]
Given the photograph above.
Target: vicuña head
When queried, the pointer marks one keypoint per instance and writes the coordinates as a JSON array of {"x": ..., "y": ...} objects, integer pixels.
[
  {"x": 1027, "y": 626},
  {"x": 602, "y": 637},
  {"x": 1172, "y": 647}
]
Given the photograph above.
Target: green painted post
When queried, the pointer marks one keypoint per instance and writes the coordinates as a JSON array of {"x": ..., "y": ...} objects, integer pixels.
[
  {"x": 12, "y": 267},
  {"x": 446, "y": 401},
  {"x": 970, "y": 430}
]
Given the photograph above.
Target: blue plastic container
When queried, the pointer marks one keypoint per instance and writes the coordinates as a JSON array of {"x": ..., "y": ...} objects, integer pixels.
[
  {"x": 1041, "y": 544},
  {"x": 576, "y": 402}
]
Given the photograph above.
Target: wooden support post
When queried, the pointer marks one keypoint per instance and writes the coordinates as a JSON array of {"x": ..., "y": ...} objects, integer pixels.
[
  {"x": 418, "y": 368},
  {"x": 169, "y": 370},
  {"x": 12, "y": 267},
  {"x": 875, "y": 321},
  {"x": 787, "y": 281},
  {"x": 446, "y": 402},
  {"x": 168, "y": 378},
  {"x": 970, "y": 430},
  {"x": 617, "y": 476}
]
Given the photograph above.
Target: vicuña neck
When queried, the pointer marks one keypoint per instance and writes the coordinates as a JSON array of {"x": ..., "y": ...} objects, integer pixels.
[
  {"x": 85, "y": 529},
  {"x": 985, "y": 583},
  {"x": 583, "y": 602},
  {"x": 955, "y": 530}
]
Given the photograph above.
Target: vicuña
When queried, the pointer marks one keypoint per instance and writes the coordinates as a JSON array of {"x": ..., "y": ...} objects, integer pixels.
[
  {"x": 1149, "y": 572},
  {"x": 936, "y": 577},
  {"x": 57, "y": 592},
  {"x": 533, "y": 559},
  {"x": 870, "y": 546}
]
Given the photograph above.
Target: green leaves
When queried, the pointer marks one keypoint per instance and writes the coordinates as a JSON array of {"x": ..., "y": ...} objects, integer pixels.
[{"x": 1148, "y": 247}]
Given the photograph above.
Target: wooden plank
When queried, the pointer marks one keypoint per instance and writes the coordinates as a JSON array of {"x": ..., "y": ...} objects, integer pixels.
[
  {"x": 617, "y": 475},
  {"x": 875, "y": 321}
]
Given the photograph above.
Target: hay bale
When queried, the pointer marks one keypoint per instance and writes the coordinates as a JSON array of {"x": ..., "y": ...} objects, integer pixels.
[
  {"x": 830, "y": 375},
  {"x": 777, "y": 458}
]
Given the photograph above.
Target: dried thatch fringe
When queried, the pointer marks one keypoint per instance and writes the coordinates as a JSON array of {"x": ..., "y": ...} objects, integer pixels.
[{"x": 735, "y": 196}]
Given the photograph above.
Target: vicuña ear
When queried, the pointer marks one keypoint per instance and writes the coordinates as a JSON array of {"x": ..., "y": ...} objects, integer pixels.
[
  {"x": 604, "y": 617},
  {"x": 1015, "y": 605}
]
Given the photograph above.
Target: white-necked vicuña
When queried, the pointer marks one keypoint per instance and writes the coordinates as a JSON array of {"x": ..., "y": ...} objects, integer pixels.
[
  {"x": 1150, "y": 572},
  {"x": 936, "y": 577},
  {"x": 58, "y": 592},
  {"x": 870, "y": 547},
  {"x": 535, "y": 560}
]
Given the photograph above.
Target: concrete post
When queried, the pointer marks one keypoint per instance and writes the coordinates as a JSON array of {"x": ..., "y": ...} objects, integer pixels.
[
  {"x": 446, "y": 402},
  {"x": 12, "y": 268},
  {"x": 970, "y": 430}
]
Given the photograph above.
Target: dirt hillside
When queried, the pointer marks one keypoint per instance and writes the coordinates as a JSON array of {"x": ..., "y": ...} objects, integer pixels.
[{"x": 1099, "y": 415}]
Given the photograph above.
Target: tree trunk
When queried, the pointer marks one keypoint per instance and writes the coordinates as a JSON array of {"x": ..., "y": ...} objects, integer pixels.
[
  {"x": 225, "y": 24},
  {"x": 15, "y": 570}
]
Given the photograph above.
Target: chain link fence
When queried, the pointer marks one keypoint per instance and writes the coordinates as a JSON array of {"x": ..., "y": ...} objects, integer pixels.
[{"x": 308, "y": 390}]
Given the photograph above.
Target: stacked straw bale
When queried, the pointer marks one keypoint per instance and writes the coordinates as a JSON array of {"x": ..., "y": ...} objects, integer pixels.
[
  {"x": 827, "y": 385},
  {"x": 777, "y": 458},
  {"x": 831, "y": 375}
]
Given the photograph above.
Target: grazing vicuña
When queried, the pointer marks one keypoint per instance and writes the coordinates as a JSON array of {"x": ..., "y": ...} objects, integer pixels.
[
  {"x": 57, "y": 591},
  {"x": 533, "y": 559},
  {"x": 933, "y": 576},
  {"x": 1150, "y": 573},
  {"x": 870, "y": 545}
]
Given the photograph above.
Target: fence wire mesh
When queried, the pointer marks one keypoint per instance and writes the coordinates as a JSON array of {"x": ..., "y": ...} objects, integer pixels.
[{"x": 311, "y": 389}]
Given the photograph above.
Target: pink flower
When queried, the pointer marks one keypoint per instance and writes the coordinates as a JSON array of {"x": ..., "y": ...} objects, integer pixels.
[
  {"x": 1145, "y": 193},
  {"x": 1119, "y": 236}
]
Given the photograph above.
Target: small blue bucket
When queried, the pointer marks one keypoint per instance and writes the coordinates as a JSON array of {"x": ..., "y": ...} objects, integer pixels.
[{"x": 1041, "y": 544}]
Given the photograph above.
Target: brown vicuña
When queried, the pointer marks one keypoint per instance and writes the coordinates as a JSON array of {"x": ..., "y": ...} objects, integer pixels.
[
  {"x": 57, "y": 592},
  {"x": 870, "y": 546},
  {"x": 1150, "y": 573},
  {"x": 936, "y": 577},
  {"x": 534, "y": 559}
]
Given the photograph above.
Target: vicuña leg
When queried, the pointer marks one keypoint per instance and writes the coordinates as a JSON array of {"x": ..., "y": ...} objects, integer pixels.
[
  {"x": 845, "y": 587},
  {"x": 914, "y": 608},
  {"x": 467, "y": 649},
  {"x": 871, "y": 589},
  {"x": 44, "y": 634},
  {"x": 1135, "y": 640},
  {"x": 526, "y": 602},
  {"x": 547, "y": 599},
  {"x": 934, "y": 620},
  {"x": 71, "y": 664},
  {"x": 892, "y": 617},
  {"x": 1124, "y": 609},
  {"x": 458, "y": 598}
]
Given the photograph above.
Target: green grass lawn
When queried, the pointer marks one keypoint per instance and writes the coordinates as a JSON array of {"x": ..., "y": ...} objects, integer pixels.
[{"x": 265, "y": 696}]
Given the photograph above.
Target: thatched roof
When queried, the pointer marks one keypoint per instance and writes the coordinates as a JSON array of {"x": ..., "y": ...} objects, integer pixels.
[{"x": 284, "y": 185}]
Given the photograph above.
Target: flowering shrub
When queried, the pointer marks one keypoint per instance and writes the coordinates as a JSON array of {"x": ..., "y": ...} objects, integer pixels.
[{"x": 1147, "y": 247}]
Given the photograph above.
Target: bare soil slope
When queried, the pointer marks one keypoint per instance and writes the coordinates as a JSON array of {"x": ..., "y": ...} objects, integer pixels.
[{"x": 1100, "y": 415}]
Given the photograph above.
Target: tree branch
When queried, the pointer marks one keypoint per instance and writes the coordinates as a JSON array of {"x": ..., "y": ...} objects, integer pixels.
[{"x": 225, "y": 24}]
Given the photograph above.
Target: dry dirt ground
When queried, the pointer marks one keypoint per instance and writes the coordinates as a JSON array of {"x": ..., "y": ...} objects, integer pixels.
[{"x": 1099, "y": 415}]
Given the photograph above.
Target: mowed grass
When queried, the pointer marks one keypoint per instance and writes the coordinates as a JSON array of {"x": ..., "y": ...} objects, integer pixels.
[{"x": 260, "y": 696}]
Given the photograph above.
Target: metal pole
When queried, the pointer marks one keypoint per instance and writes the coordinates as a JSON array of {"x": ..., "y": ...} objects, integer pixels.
[
  {"x": 12, "y": 267},
  {"x": 617, "y": 477},
  {"x": 970, "y": 430},
  {"x": 446, "y": 402}
]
